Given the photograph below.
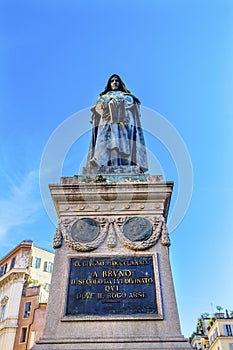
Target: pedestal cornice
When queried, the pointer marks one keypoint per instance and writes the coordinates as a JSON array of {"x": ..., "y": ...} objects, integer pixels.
[{"x": 75, "y": 197}]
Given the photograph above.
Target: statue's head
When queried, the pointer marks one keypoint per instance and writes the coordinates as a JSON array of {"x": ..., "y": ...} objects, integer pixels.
[{"x": 115, "y": 83}]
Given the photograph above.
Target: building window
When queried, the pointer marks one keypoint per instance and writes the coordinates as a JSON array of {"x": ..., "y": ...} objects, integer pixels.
[
  {"x": 36, "y": 262},
  {"x": 47, "y": 286},
  {"x": 3, "y": 309},
  {"x": 230, "y": 346},
  {"x": 27, "y": 309},
  {"x": 215, "y": 333},
  {"x": 12, "y": 263},
  {"x": 3, "y": 270},
  {"x": 228, "y": 329},
  {"x": 23, "y": 335},
  {"x": 48, "y": 266}
]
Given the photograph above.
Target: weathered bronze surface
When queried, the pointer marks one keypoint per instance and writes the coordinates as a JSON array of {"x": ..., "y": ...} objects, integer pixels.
[
  {"x": 137, "y": 229},
  {"x": 117, "y": 135},
  {"x": 85, "y": 230}
]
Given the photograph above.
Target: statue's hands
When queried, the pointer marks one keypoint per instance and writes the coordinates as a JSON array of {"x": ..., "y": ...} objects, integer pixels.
[
  {"x": 104, "y": 106},
  {"x": 113, "y": 102}
]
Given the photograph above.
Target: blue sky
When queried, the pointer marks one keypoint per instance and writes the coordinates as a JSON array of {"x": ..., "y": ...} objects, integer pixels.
[{"x": 176, "y": 56}]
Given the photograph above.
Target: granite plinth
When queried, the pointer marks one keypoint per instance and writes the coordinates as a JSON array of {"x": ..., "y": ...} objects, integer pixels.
[{"x": 99, "y": 290}]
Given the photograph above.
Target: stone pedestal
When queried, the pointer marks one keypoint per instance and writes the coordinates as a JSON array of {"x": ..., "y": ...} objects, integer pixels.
[{"x": 112, "y": 285}]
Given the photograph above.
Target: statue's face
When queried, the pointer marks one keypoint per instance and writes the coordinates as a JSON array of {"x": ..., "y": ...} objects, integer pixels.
[{"x": 115, "y": 83}]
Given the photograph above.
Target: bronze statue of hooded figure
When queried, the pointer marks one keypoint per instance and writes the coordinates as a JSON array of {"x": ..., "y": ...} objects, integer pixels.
[{"x": 117, "y": 136}]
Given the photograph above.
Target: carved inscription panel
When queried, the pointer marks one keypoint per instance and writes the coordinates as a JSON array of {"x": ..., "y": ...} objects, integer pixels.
[{"x": 102, "y": 286}]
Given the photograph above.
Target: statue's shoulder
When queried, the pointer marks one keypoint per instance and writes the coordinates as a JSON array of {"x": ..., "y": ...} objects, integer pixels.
[
  {"x": 97, "y": 103},
  {"x": 132, "y": 97},
  {"x": 103, "y": 98}
]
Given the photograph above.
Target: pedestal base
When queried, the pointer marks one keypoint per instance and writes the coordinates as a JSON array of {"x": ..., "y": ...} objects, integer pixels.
[
  {"x": 111, "y": 344},
  {"x": 112, "y": 284}
]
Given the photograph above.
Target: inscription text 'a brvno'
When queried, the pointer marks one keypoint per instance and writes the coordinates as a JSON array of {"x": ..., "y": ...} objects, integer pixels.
[{"x": 111, "y": 286}]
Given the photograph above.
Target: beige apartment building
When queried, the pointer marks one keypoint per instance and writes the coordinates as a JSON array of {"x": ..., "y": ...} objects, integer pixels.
[
  {"x": 214, "y": 333},
  {"x": 25, "y": 275},
  {"x": 220, "y": 334}
]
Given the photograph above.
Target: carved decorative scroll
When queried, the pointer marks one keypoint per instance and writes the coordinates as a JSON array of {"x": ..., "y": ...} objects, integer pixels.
[
  {"x": 57, "y": 240},
  {"x": 111, "y": 228}
]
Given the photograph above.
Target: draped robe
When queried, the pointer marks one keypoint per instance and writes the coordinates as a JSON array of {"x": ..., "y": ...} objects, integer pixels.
[{"x": 117, "y": 136}]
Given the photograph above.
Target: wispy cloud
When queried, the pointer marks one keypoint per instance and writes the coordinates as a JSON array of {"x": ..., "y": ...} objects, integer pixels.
[{"x": 22, "y": 205}]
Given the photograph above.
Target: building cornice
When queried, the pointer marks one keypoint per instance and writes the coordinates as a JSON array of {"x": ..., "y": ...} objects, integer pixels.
[
  {"x": 16, "y": 275},
  {"x": 24, "y": 244},
  {"x": 9, "y": 323}
]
